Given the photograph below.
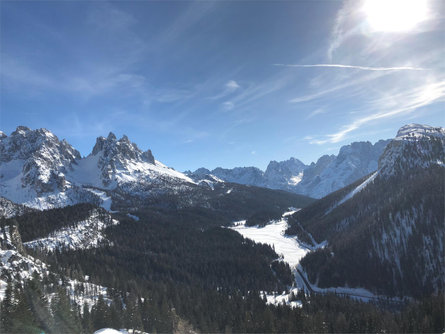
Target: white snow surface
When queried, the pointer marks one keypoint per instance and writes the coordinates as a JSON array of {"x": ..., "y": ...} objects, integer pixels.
[
  {"x": 87, "y": 172},
  {"x": 288, "y": 247},
  {"x": 120, "y": 331},
  {"x": 87, "y": 293},
  {"x": 283, "y": 298},
  {"x": 417, "y": 131},
  {"x": 106, "y": 200},
  {"x": 109, "y": 331},
  {"x": 294, "y": 180}
]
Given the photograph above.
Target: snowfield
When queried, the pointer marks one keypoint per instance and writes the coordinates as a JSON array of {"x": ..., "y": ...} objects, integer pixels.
[
  {"x": 292, "y": 251},
  {"x": 288, "y": 247}
]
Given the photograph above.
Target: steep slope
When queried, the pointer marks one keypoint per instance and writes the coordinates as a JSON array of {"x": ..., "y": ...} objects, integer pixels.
[
  {"x": 33, "y": 167},
  {"x": 284, "y": 175},
  {"x": 116, "y": 162},
  {"x": 330, "y": 174},
  {"x": 39, "y": 171},
  {"x": 385, "y": 232}
]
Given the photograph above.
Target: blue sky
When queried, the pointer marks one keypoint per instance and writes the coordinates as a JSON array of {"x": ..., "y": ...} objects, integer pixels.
[{"x": 222, "y": 83}]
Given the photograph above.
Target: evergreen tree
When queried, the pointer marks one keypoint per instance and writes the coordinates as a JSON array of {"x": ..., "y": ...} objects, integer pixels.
[
  {"x": 64, "y": 317},
  {"x": 7, "y": 309}
]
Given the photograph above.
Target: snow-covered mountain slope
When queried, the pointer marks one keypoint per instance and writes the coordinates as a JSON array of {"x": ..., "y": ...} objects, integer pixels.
[
  {"x": 390, "y": 222},
  {"x": 38, "y": 170},
  {"x": 415, "y": 146},
  {"x": 328, "y": 174},
  {"x": 84, "y": 234},
  {"x": 113, "y": 162},
  {"x": 15, "y": 264},
  {"x": 242, "y": 175},
  {"x": 284, "y": 175},
  {"x": 33, "y": 167}
]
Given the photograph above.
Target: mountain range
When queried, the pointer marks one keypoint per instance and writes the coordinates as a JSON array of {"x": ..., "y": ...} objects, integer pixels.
[
  {"x": 118, "y": 227},
  {"x": 316, "y": 180}
]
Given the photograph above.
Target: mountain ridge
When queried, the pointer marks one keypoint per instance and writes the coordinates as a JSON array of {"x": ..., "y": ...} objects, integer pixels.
[
  {"x": 329, "y": 173},
  {"x": 390, "y": 222}
]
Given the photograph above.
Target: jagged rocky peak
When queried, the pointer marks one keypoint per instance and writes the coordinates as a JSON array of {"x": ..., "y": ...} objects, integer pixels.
[
  {"x": 415, "y": 146},
  {"x": 201, "y": 172},
  {"x": 24, "y": 142},
  {"x": 37, "y": 158},
  {"x": 292, "y": 166},
  {"x": 121, "y": 150}
]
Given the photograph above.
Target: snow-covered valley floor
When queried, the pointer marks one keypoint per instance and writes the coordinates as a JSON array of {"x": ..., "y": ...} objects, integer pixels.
[
  {"x": 292, "y": 251},
  {"x": 288, "y": 247}
]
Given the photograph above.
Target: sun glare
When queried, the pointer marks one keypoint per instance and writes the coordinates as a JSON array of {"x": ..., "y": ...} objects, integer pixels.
[{"x": 395, "y": 15}]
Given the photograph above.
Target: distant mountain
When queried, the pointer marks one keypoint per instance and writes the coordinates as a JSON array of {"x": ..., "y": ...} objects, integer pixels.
[
  {"x": 331, "y": 173},
  {"x": 385, "y": 232},
  {"x": 317, "y": 180}
]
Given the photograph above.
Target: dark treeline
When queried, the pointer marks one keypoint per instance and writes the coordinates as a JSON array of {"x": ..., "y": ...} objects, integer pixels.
[
  {"x": 174, "y": 270},
  {"x": 27, "y": 309},
  {"x": 39, "y": 224},
  {"x": 355, "y": 232}
]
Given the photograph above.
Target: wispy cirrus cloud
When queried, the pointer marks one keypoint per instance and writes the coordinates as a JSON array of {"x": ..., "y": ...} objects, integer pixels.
[
  {"x": 336, "y": 84},
  {"x": 317, "y": 111},
  {"x": 357, "y": 67},
  {"x": 406, "y": 102},
  {"x": 232, "y": 85}
]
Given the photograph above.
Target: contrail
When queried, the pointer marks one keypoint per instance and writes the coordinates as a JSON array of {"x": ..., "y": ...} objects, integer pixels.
[{"x": 365, "y": 68}]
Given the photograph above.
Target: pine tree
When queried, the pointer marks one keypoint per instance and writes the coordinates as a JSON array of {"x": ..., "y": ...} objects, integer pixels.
[
  {"x": 7, "y": 309},
  {"x": 64, "y": 318}
]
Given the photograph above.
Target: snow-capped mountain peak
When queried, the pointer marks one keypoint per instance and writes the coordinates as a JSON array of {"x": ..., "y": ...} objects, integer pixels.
[
  {"x": 115, "y": 161},
  {"x": 418, "y": 131},
  {"x": 38, "y": 170},
  {"x": 415, "y": 146},
  {"x": 34, "y": 158}
]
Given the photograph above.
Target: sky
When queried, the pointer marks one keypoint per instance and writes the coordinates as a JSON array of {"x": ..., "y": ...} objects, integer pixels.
[{"x": 223, "y": 83}]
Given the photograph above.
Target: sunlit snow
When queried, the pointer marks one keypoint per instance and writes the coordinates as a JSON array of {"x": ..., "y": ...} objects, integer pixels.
[{"x": 273, "y": 235}]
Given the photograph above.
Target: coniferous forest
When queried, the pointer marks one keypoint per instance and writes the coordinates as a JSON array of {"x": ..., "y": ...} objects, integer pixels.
[{"x": 164, "y": 275}]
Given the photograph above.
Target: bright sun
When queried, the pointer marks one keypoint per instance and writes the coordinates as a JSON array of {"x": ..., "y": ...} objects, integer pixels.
[{"x": 395, "y": 15}]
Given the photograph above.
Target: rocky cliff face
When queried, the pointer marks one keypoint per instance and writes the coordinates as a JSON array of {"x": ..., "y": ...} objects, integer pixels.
[
  {"x": 35, "y": 158},
  {"x": 331, "y": 173}
]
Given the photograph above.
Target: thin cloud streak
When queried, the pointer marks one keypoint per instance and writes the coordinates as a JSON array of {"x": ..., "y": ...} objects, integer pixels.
[
  {"x": 365, "y": 68},
  {"x": 415, "y": 99},
  {"x": 340, "y": 86}
]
